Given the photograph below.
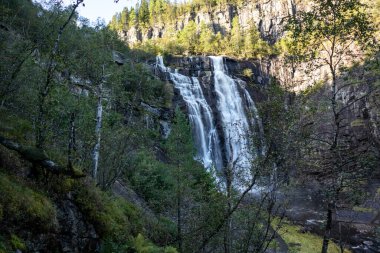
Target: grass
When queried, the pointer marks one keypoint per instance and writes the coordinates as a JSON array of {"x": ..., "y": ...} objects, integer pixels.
[{"x": 304, "y": 242}]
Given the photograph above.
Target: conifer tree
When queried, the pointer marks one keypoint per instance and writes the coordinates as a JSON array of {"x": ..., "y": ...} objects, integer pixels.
[
  {"x": 144, "y": 13},
  {"x": 132, "y": 17},
  {"x": 124, "y": 19},
  {"x": 236, "y": 41}
]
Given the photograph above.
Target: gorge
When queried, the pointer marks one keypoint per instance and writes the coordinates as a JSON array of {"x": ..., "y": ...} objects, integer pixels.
[{"x": 192, "y": 126}]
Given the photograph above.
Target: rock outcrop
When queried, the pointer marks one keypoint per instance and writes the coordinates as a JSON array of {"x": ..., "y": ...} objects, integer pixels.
[{"x": 268, "y": 16}]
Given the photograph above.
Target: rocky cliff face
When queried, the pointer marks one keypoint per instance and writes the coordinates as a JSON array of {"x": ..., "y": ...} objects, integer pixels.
[{"x": 268, "y": 16}]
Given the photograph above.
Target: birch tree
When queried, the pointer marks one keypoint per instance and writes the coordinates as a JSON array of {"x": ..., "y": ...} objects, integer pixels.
[{"x": 331, "y": 35}]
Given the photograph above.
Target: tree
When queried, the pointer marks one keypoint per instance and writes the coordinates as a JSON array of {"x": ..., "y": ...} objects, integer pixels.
[
  {"x": 144, "y": 13},
  {"x": 331, "y": 34},
  {"x": 188, "y": 37},
  {"x": 236, "y": 39},
  {"x": 206, "y": 38},
  {"x": 47, "y": 85},
  {"x": 152, "y": 11},
  {"x": 124, "y": 19},
  {"x": 180, "y": 149},
  {"x": 132, "y": 18}
]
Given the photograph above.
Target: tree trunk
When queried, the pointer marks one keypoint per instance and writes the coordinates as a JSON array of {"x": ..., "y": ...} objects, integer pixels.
[
  {"x": 98, "y": 128},
  {"x": 328, "y": 226},
  {"x": 71, "y": 146},
  {"x": 45, "y": 89},
  {"x": 227, "y": 231},
  {"x": 179, "y": 213}
]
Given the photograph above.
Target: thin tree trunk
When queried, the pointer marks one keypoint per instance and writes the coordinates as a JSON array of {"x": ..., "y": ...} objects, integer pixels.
[
  {"x": 71, "y": 146},
  {"x": 98, "y": 129},
  {"x": 44, "y": 91},
  {"x": 179, "y": 213},
  {"x": 227, "y": 231},
  {"x": 327, "y": 234}
]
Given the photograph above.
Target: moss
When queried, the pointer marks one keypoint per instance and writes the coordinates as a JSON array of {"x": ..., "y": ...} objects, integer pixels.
[
  {"x": 12, "y": 126},
  {"x": 303, "y": 242},
  {"x": 248, "y": 73},
  {"x": 363, "y": 209},
  {"x": 357, "y": 123},
  {"x": 141, "y": 245},
  {"x": 112, "y": 216},
  {"x": 24, "y": 206},
  {"x": 17, "y": 242},
  {"x": 34, "y": 154}
]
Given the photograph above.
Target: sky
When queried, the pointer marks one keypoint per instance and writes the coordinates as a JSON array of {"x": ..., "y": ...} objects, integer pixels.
[{"x": 104, "y": 9}]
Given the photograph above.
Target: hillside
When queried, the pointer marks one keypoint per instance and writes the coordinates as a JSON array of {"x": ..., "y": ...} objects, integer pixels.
[{"x": 205, "y": 126}]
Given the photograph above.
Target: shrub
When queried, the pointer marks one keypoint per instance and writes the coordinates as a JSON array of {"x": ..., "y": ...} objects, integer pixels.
[
  {"x": 113, "y": 217},
  {"x": 22, "y": 205}
]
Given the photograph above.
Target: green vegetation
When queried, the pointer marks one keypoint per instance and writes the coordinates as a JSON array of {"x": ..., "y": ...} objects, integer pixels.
[
  {"x": 192, "y": 38},
  {"x": 70, "y": 92},
  {"x": 23, "y": 205},
  {"x": 112, "y": 216},
  {"x": 304, "y": 242}
]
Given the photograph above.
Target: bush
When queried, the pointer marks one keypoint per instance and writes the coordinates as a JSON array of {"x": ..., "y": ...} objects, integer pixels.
[
  {"x": 141, "y": 245},
  {"x": 24, "y": 206},
  {"x": 17, "y": 242},
  {"x": 113, "y": 217}
]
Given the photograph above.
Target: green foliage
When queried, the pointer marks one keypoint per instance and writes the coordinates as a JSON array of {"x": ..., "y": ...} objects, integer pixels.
[
  {"x": 141, "y": 245},
  {"x": 303, "y": 242},
  {"x": 192, "y": 38},
  {"x": 112, "y": 216},
  {"x": 17, "y": 243},
  {"x": 152, "y": 180},
  {"x": 24, "y": 206},
  {"x": 328, "y": 30},
  {"x": 12, "y": 126}
]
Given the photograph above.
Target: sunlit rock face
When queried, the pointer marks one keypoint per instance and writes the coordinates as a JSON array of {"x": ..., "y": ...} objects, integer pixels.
[{"x": 267, "y": 16}]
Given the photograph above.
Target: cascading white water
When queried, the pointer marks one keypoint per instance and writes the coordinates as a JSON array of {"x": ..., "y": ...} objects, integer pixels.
[
  {"x": 236, "y": 127},
  {"x": 256, "y": 121},
  {"x": 200, "y": 116},
  {"x": 236, "y": 112}
]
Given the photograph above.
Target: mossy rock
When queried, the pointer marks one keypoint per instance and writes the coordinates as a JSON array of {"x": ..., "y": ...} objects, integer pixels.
[{"x": 24, "y": 206}]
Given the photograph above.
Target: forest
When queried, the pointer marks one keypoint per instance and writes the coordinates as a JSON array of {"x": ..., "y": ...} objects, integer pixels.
[{"x": 198, "y": 126}]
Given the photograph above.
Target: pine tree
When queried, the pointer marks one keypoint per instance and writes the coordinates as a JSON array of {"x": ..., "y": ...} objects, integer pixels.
[
  {"x": 144, "y": 16},
  {"x": 152, "y": 11},
  {"x": 236, "y": 41},
  {"x": 206, "y": 38},
  {"x": 132, "y": 17},
  {"x": 124, "y": 19}
]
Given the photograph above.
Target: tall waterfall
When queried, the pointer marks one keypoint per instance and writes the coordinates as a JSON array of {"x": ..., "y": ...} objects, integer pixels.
[
  {"x": 232, "y": 114},
  {"x": 200, "y": 116},
  {"x": 235, "y": 111}
]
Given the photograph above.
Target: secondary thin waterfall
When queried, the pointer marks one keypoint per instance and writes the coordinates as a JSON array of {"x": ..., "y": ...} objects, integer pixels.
[
  {"x": 200, "y": 116},
  {"x": 236, "y": 126}
]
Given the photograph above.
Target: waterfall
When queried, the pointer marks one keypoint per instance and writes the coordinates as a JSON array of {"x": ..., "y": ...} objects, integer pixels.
[
  {"x": 236, "y": 126},
  {"x": 200, "y": 116},
  {"x": 235, "y": 111}
]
